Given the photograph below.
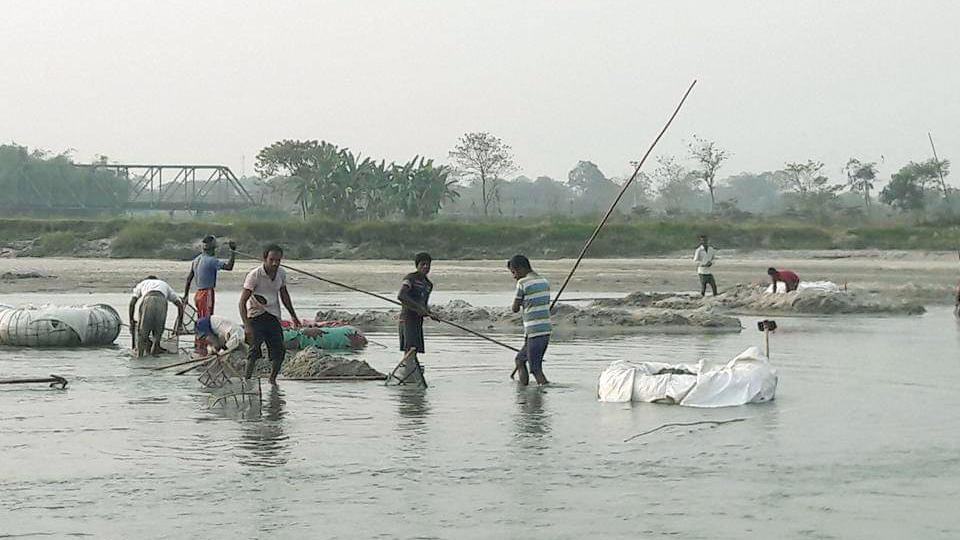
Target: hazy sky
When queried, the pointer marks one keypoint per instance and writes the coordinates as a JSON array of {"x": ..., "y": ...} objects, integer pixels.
[{"x": 560, "y": 81}]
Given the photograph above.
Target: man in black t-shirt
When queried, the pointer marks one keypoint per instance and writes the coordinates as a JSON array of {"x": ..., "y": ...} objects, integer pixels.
[{"x": 415, "y": 296}]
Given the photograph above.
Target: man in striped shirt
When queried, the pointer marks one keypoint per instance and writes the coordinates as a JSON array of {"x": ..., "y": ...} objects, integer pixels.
[{"x": 533, "y": 296}]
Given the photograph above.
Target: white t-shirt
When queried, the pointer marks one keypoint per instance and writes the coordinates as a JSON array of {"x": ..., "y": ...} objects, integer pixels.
[
  {"x": 260, "y": 283},
  {"x": 704, "y": 259},
  {"x": 155, "y": 285}
]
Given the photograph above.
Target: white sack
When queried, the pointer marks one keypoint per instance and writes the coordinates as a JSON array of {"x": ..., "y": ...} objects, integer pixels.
[
  {"x": 820, "y": 286},
  {"x": 748, "y": 378}
]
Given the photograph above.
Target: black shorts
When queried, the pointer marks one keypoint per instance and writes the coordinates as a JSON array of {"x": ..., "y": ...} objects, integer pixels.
[{"x": 411, "y": 334}]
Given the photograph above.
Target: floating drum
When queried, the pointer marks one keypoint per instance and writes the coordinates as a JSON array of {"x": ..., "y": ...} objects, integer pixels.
[{"x": 59, "y": 326}]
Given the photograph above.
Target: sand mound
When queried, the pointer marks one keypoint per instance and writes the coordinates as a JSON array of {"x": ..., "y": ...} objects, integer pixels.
[
  {"x": 752, "y": 299},
  {"x": 311, "y": 362},
  {"x": 565, "y": 318}
]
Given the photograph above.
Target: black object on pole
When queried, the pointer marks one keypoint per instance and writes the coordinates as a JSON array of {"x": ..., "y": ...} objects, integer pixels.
[
  {"x": 626, "y": 185},
  {"x": 386, "y": 299}
]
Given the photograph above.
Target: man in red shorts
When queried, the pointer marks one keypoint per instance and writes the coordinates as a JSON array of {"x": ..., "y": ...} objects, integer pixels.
[
  {"x": 204, "y": 268},
  {"x": 790, "y": 279}
]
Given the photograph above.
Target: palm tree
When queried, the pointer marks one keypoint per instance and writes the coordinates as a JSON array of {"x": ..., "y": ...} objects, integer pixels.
[{"x": 422, "y": 188}]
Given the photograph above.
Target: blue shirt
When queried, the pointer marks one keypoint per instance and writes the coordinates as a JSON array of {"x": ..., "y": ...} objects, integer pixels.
[{"x": 205, "y": 268}]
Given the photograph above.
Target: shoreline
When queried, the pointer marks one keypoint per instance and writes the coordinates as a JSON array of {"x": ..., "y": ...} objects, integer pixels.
[{"x": 922, "y": 276}]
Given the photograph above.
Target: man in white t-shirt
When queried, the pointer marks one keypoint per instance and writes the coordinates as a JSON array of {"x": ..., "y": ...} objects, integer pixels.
[
  {"x": 153, "y": 295},
  {"x": 704, "y": 257},
  {"x": 264, "y": 288}
]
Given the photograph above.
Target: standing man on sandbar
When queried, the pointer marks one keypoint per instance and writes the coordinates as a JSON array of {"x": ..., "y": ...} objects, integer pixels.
[{"x": 704, "y": 257}]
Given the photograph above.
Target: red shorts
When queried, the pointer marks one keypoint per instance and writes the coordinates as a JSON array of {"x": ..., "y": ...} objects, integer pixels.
[{"x": 203, "y": 300}]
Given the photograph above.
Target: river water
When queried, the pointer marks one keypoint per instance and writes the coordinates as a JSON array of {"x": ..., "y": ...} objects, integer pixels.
[{"x": 863, "y": 441}]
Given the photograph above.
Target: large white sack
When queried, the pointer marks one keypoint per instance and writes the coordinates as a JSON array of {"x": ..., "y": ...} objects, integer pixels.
[
  {"x": 748, "y": 378},
  {"x": 616, "y": 382}
]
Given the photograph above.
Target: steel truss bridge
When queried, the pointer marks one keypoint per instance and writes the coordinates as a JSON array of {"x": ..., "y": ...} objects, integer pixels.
[{"x": 195, "y": 188}]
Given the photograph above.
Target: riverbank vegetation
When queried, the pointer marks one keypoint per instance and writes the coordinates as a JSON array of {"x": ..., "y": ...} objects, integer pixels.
[
  {"x": 321, "y": 200},
  {"x": 624, "y": 237}
]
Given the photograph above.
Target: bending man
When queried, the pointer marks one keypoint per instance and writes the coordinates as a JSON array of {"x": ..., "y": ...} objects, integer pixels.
[
  {"x": 790, "y": 279},
  {"x": 219, "y": 334},
  {"x": 263, "y": 290},
  {"x": 155, "y": 294}
]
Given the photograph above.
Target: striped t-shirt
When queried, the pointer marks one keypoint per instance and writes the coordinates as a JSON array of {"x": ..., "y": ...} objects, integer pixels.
[{"x": 533, "y": 292}]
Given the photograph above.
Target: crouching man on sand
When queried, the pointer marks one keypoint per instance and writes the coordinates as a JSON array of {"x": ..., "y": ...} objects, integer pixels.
[
  {"x": 153, "y": 295},
  {"x": 263, "y": 290},
  {"x": 533, "y": 297},
  {"x": 790, "y": 279}
]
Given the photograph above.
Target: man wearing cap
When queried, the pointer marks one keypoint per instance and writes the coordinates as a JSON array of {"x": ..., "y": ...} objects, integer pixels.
[
  {"x": 205, "y": 267},
  {"x": 219, "y": 334}
]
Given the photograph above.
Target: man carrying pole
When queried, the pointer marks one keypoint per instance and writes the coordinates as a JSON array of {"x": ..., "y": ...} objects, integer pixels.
[
  {"x": 414, "y": 295},
  {"x": 204, "y": 268},
  {"x": 533, "y": 297}
]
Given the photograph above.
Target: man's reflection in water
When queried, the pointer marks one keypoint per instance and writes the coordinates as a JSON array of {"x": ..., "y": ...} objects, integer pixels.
[
  {"x": 264, "y": 443},
  {"x": 413, "y": 407},
  {"x": 532, "y": 421}
]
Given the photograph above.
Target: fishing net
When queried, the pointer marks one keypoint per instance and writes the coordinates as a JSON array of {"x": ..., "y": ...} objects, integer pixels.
[
  {"x": 227, "y": 385},
  {"x": 408, "y": 372}
]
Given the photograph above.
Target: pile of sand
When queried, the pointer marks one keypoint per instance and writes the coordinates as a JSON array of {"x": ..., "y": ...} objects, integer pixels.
[
  {"x": 565, "y": 318},
  {"x": 311, "y": 362},
  {"x": 753, "y": 299}
]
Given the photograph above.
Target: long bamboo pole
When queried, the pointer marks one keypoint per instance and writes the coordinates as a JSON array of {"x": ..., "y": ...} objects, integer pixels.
[
  {"x": 386, "y": 299},
  {"x": 937, "y": 161},
  {"x": 620, "y": 195}
]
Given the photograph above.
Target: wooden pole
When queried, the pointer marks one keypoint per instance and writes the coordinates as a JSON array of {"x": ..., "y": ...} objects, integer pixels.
[
  {"x": 191, "y": 361},
  {"x": 626, "y": 185},
  {"x": 613, "y": 206},
  {"x": 766, "y": 341},
  {"x": 937, "y": 161},
  {"x": 387, "y": 299}
]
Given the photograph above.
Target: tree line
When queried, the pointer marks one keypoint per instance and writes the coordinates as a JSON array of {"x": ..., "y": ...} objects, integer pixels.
[
  {"x": 318, "y": 178},
  {"x": 37, "y": 179}
]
